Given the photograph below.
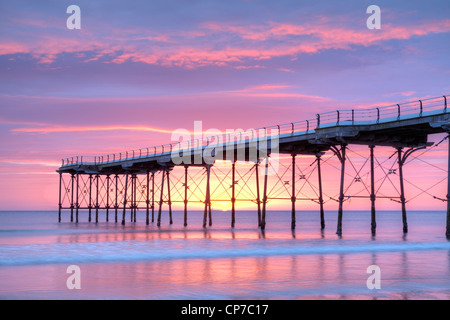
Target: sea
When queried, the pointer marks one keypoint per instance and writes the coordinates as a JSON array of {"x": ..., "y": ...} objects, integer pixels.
[{"x": 174, "y": 262}]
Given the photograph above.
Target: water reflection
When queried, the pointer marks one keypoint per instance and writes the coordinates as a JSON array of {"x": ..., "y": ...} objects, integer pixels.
[
  {"x": 286, "y": 277},
  {"x": 147, "y": 262},
  {"x": 150, "y": 235}
]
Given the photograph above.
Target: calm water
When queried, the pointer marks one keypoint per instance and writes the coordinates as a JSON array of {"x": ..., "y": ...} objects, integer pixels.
[{"x": 173, "y": 262}]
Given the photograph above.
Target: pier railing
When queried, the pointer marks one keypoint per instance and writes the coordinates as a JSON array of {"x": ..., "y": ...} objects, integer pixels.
[{"x": 358, "y": 116}]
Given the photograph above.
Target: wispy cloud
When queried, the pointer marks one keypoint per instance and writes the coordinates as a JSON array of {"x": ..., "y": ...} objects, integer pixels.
[
  {"x": 59, "y": 129},
  {"x": 30, "y": 162},
  {"x": 273, "y": 91},
  {"x": 400, "y": 93}
]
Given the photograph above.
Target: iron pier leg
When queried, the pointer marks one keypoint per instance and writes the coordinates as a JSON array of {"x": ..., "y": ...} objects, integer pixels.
[
  {"x": 293, "y": 197},
  {"x": 447, "y": 233},
  {"x": 266, "y": 174},
  {"x": 77, "y": 204},
  {"x": 153, "y": 197},
  {"x": 372, "y": 192},
  {"x": 205, "y": 212},
  {"x": 207, "y": 198},
  {"x": 341, "y": 190},
  {"x": 135, "y": 198},
  {"x": 132, "y": 197},
  {"x": 90, "y": 196},
  {"x": 116, "y": 206},
  {"x": 233, "y": 199},
  {"x": 169, "y": 198},
  {"x": 185, "y": 194},
  {"x": 125, "y": 200},
  {"x": 161, "y": 198},
  {"x": 71, "y": 199},
  {"x": 147, "y": 221},
  {"x": 107, "y": 198},
  {"x": 59, "y": 203},
  {"x": 319, "y": 174},
  {"x": 96, "y": 198},
  {"x": 209, "y": 209},
  {"x": 258, "y": 198},
  {"x": 402, "y": 190}
]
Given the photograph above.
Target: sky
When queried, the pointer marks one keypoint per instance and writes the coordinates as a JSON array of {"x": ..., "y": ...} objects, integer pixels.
[{"x": 137, "y": 70}]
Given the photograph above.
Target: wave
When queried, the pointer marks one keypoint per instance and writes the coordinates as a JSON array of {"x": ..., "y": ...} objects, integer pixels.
[{"x": 142, "y": 251}]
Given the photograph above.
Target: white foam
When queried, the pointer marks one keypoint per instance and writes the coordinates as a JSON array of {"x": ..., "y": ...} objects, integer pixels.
[{"x": 132, "y": 250}]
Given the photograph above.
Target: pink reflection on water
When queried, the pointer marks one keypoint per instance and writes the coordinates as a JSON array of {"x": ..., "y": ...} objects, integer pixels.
[{"x": 405, "y": 276}]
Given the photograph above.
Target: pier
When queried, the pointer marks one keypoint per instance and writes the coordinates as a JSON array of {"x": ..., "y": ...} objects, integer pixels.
[{"x": 121, "y": 184}]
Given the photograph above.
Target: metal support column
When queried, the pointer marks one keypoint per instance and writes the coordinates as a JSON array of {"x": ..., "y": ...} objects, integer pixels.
[
  {"x": 401, "y": 161},
  {"x": 60, "y": 203},
  {"x": 116, "y": 204},
  {"x": 77, "y": 205},
  {"x": 266, "y": 174},
  {"x": 71, "y": 199},
  {"x": 293, "y": 196},
  {"x": 133, "y": 180},
  {"x": 125, "y": 200},
  {"x": 233, "y": 198},
  {"x": 169, "y": 198},
  {"x": 341, "y": 155},
  {"x": 96, "y": 198},
  {"x": 147, "y": 202},
  {"x": 133, "y": 212},
  {"x": 209, "y": 209},
  {"x": 153, "y": 197},
  {"x": 90, "y": 196},
  {"x": 372, "y": 192},
  {"x": 107, "y": 198},
  {"x": 207, "y": 197},
  {"x": 319, "y": 176},
  {"x": 185, "y": 194},
  {"x": 447, "y": 233},
  {"x": 402, "y": 190},
  {"x": 258, "y": 198},
  {"x": 161, "y": 198},
  {"x": 135, "y": 196}
]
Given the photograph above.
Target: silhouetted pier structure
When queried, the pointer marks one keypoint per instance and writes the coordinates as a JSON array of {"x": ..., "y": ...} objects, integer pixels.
[{"x": 142, "y": 179}]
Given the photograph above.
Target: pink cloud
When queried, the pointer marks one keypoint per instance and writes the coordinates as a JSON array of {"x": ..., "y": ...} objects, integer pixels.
[
  {"x": 204, "y": 47},
  {"x": 318, "y": 37},
  {"x": 11, "y": 47}
]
